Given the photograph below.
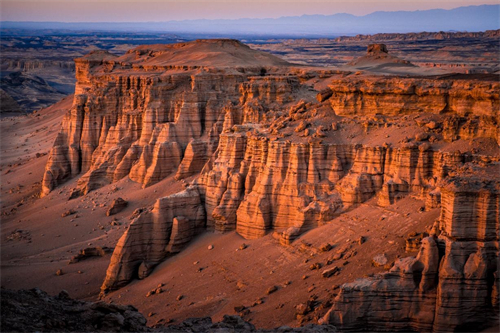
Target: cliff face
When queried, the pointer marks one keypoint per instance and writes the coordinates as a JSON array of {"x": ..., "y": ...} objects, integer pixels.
[
  {"x": 397, "y": 96},
  {"x": 452, "y": 284},
  {"x": 256, "y": 184},
  {"x": 126, "y": 121},
  {"x": 272, "y": 159},
  {"x": 173, "y": 222}
]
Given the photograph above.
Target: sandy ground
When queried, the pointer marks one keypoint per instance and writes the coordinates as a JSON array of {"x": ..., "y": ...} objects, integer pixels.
[{"x": 213, "y": 282}]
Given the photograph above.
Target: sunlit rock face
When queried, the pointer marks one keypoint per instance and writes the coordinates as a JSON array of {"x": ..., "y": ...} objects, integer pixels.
[
  {"x": 452, "y": 284},
  {"x": 267, "y": 152},
  {"x": 138, "y": 114}
]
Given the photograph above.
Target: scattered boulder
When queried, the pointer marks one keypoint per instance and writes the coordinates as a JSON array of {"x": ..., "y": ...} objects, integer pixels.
[
  {"x": 117, "y": 206},
  {"x": 325, "y": 247},
  {"x": 432, "y": 125},
  {"x": 19, "y": 235},
  {"x": 68, "y": 213},
  {"x": 380, "y": 260},
  {"x": 302, "y": 309},
  {"x": 315, "y": 266},
  {"x": 330, "y": 271},
  {"x": 421, "y": 136},
  {"x": 271, "y": 290},
  {"x": 302, "y": 126},
  {"x": 319, "y": 132},
  {"x": 90, "y": 252}
]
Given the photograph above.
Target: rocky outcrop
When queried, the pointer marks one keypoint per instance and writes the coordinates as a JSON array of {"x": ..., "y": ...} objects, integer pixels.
[
  {"x": 377, "y": 55},
  {"x": 172, "y": 223},
  {"x": 399, "y": 96},
  {"x": 34, "y": 310},
  {"x": 452, "y": 284},
  {"x": 117, "y": 206},
  {"x": 255, "y": 184}
]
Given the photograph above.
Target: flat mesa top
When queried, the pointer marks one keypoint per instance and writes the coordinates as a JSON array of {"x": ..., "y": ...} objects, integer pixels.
[{"x": 201, "y": 52}]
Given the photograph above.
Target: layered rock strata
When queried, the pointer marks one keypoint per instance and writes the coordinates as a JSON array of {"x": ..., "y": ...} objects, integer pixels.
[
  {"x": 256, "y": 184},
  {"x": 271, "y": 158},
  {"x": 143, "y": 119},
  {"x": 452, "y": 284},
  {"x": 155, "y": 233}
]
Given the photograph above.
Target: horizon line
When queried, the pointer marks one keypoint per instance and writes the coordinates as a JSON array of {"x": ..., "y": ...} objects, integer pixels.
[{"x": 249, "y": 18}]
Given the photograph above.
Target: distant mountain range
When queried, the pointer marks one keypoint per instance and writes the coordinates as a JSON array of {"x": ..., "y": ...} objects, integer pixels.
[{"x": 471, "y": 18}]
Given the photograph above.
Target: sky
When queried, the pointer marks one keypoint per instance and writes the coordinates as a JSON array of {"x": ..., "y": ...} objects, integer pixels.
[{"x": 166, "y": 10}]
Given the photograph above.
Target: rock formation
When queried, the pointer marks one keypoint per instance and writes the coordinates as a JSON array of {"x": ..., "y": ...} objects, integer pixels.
[
  {"x": 140, "y": 125},
  {"x": 34, "y": 310},
  {"x": 377, "y": 56},
  {"x": 271, "y": 156},
  {"x": 452, "y": 284},
  {"x": 116, "y": 206},
  {"x": 9, "y": 105},
  {"x": 154, "y": 234}
]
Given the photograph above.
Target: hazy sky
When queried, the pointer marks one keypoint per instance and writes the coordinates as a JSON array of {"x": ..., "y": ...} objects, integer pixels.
[{"x": 165, "y": 10}]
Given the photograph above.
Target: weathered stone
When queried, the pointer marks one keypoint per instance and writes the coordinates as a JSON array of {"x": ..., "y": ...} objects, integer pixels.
[
  {"x": 116, "y": 206},
  {"x": 330, "y": 271},
  {"x": 379, "y": 260},
  {"x": 445, "y": 290}
]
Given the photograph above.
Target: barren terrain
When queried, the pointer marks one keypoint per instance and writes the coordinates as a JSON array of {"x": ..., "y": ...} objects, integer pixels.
[{"x": 285, "y": 193}]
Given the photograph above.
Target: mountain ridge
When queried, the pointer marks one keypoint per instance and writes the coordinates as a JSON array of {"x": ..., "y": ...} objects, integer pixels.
[{"x": 469, "y": 18}]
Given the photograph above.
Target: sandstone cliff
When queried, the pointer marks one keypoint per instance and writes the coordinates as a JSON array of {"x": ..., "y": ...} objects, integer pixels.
[
  {"x": 136, "y": 115},
  {"x": 452, "y": 284},
  {"x": 271, "y": 158}
]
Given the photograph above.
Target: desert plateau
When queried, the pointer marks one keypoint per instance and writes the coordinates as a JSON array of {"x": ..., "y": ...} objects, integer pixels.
[{"x": 170, "y": 181}]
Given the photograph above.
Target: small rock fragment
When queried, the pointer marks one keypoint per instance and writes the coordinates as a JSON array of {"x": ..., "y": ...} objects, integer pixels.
[
  {"x": 330, "y": 271},
  {"x": 379, "y": 260},
  {"x": 271, "y": 290},
  {"x": 325, "y": 247}
]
